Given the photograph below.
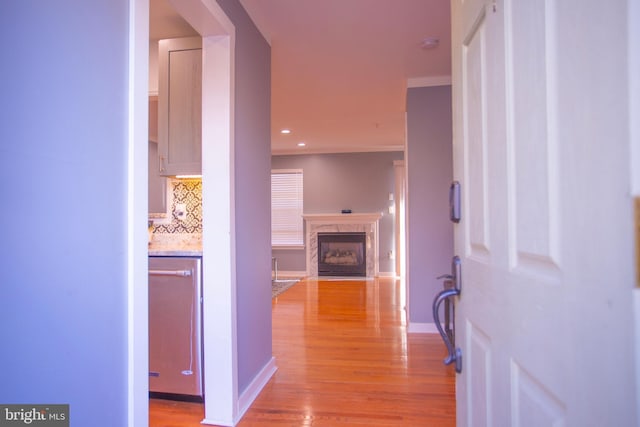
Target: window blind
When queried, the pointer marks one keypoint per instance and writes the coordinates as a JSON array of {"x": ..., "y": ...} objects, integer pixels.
[{"x": 286, "y": 208}]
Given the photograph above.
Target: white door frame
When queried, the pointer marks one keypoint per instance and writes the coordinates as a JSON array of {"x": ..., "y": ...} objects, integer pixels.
[
  {"x": 137, "y": 202},
  {"x": 219, "y": 304},
  {"x": 399, "y": 171},
  {"x": 633, "y": 48}
]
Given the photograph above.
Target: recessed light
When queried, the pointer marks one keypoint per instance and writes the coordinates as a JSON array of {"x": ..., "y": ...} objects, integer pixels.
[
  {"x": 301, "y": 144},
  {"x": 285, "y": 131}
]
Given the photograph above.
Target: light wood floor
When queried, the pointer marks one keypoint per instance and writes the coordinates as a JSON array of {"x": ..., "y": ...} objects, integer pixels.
[{"x": 344, "y": 359}]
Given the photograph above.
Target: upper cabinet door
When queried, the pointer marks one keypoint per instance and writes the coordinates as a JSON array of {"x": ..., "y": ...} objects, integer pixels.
[{"x": 180, "y": 106}]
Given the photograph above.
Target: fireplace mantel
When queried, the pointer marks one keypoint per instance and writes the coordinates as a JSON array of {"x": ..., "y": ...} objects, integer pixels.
[
  {"x": 353, "y": 222},
  {"x": 352, "y": 218}
]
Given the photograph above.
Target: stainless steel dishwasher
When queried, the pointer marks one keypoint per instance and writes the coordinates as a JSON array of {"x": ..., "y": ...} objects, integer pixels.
[{"x": 175, "y": 328}]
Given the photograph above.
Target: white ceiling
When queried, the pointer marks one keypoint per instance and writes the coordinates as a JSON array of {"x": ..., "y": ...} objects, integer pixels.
[{"x": 340, "y": 68}]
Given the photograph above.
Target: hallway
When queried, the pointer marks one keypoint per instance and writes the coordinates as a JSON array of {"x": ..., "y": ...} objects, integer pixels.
[{"x": 344, "y": 359}]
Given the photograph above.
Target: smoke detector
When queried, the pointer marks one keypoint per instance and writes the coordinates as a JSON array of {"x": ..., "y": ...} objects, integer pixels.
[{"x": 430, "y": 43}]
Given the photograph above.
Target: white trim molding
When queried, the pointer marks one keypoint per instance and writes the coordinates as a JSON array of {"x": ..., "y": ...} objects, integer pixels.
[
  {"x": 367, "y": 148},
  {"x": 388, "y": 274},
  {"x": 422, "y": 328},
  {"x": 258, "y": 20},
  {"x": 220, "y": 352},
  {"x": 291, "y": 274},
  {"x": 137, "y": 393},
  {"x": 352, "y": 218},
  {"x": 636, "y": 304},
  {"x": 634, "y": 97},
  {"x": 253, "y": 390},
  {"x": 429, "y": 81}
]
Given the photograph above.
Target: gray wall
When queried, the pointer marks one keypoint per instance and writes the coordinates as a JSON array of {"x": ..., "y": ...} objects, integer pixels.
[
  {"x": 252, "y": 194},
  {"x": 332, "y": 182},
  {"x": 430, "y": 171},
  {"x": 63, "y": 169}
]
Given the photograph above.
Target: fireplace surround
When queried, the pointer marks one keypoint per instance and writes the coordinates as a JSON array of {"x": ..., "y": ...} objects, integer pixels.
[
  {"x": 342, "y": 254},
  {"x": 364, "y": 223}
]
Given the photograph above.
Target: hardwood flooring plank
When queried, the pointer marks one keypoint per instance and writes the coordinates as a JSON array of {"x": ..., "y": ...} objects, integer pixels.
[{"x": 344, "y": 359}]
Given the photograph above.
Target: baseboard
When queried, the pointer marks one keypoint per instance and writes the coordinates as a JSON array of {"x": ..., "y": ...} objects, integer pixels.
[
  {"x": 636, "y": 297},
  {"x": 387, "y": 274},
  {"x": 253, "y": 390},
  {"x": 429, "y": 81},
  {"x": 342, "y": 278},
  {"x": 422, "y": 328},
  {"x": 290, "y": 274}
]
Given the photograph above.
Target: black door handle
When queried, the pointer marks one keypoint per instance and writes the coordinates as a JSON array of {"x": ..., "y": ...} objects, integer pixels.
[{"x": 455, "y": 354}]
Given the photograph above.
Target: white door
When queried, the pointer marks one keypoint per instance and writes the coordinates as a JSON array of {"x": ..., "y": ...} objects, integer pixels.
[{"x": 541, "y": 145}]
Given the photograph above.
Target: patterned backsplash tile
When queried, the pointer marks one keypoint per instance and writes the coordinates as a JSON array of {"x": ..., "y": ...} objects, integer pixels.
[{"x": 189, "y": 192}]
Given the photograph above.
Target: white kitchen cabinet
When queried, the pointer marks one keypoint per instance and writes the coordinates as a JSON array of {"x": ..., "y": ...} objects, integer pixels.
[
  {"x": 180, "y": 106},
  {"x": 157, "y": 182}
]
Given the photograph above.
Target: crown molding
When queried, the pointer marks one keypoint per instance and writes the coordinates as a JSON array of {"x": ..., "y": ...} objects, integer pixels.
[
  {"x": 257, "y": 21},
  {"x": 336, "y": 150}
]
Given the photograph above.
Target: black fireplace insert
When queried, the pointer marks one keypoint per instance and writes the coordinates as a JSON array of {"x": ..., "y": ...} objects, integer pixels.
[{"x": 342, "y": 254}]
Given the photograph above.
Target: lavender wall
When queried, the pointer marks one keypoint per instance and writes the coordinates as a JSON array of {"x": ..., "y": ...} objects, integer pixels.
[
  {"x": 332, "y": 182},
  {"x": 430, "y": 170},
  {"x": 63, "y": 168},
  {"x": 252, "y": 194}
]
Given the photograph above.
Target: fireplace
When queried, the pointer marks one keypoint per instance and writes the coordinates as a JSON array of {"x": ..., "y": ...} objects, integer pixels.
[
  {"x": 367, "y": 223},
  {"x": 342, "y": 254}
]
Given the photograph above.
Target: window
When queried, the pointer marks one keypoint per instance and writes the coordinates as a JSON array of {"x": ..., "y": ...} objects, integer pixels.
[{"x": 286, "y": 208}]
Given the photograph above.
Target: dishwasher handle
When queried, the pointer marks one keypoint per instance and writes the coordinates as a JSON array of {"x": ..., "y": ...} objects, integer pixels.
[{"x": 179, "y": 273}]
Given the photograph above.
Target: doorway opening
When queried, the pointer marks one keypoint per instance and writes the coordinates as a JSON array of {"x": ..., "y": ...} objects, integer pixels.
[{"x": 220, "y": 378}]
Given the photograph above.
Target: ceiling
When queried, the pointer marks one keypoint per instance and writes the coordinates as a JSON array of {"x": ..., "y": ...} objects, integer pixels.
[
  {"x": 165, "y": 23},
  {"x": 340, "y": 68}
]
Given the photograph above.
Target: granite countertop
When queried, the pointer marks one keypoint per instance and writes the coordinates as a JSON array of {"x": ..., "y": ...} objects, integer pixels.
[
  {"x": 171, "y": 251},
  {"x": 175, "y": 245}
]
